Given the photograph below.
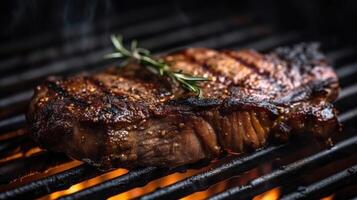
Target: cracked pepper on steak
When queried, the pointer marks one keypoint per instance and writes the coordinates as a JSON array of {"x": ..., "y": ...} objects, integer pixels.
[{"x": 128, "y": 117}]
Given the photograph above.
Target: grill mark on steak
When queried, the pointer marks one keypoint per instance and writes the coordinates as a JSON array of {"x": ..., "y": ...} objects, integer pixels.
[
  {"x": 108, "y": 98},
  {"x": 252, "y": 66},
  {"x": 61, "y": 91},
  {"x": 128, "y": 117}
]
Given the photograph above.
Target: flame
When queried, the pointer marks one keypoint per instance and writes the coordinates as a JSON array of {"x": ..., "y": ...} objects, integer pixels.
[
  {"x": 272, "y": 194},
  {"x": 219, "y": 187},
  {"x": 12, "y": 134},
  {"x": 162, "y": 182},
  {"x": 86, "y": 184},
  {"x": 21, "y": 154},
  {"x": 168, "y": 180},
  {"x": 136, "y": 192},
  {"x": 165, "y": 181},
  {"x": 329, "y": 197}
]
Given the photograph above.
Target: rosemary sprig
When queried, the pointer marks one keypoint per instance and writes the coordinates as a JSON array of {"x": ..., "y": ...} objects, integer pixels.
[{"x": 158, "y": 67}]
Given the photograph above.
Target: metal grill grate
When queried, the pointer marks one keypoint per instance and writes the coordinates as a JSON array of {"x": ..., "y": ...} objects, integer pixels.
[{"x": 24, "y": 63}]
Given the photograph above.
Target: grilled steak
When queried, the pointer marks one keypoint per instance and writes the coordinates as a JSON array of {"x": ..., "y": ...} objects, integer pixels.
[{"x": 128, "y": 117}]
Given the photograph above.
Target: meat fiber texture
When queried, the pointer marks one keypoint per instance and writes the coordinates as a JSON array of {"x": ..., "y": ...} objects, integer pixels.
[{"x": 129, "y": 117}]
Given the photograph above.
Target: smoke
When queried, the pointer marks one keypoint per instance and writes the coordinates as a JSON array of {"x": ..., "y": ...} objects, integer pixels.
[
  {"x": 78, "y": 12},
  {"x": 41, "y": 16},
  {"x": 82, "y": 18}
]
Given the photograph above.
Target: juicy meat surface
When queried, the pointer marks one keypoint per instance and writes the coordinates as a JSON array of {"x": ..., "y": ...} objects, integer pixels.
[{"x": 128, "y": 117}]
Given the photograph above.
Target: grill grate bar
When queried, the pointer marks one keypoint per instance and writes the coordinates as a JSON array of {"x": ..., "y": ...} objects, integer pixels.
[
  {"x": 19, "y": 46},
  {"x": 10, "y": 145},
  {"x": 134, "y": 178},
  {"x": 87, "y": 61},
  {"x": 235, "y": 36},
  {"x": 286, "y": 173},
  {"x": 90, "y": 43},
  {"x": 347, "y": 70},
  {"x": 340, "y": 54},
  {"x": 14, "y": 122},
  {"x": 125, "y": 19},
  {"x": 326, "y": 186},
  {"x": 14, "y": 83},
  {"x": 189, "y": 36},
  {"x": 121, "y": 183},
  {"x": 22, "y": 166},
  {"x": 52, "y": 183},
  {"x": 275, "y": 41},
  {"x": 66, "y": 37},
  {"x": 350, "y": 78},
  {"x": 18, "y": 98},
  {"x": 348, "y": 116},
  {"x": 348, "y": 91},
  {"x": 166, "y": 39},
  {"x": 225, "y": 171}
]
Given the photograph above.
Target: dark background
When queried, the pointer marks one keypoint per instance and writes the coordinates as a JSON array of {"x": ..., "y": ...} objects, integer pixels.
[{"x": 21, "y": 18}]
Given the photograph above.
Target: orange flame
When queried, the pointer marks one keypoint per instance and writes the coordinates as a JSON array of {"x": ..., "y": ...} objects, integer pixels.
[
  {"x": 86, "y": 184},
  {"x": 272, "y": 194},
  {"x": 136, "y": 192},
  {"x": 165, "y": 181},
  {"x": 328, "y": 198},
  {"x": 162, "y": 182}
]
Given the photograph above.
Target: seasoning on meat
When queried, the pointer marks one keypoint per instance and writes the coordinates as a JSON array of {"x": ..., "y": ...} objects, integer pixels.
[{"x": 128, "y": 117}]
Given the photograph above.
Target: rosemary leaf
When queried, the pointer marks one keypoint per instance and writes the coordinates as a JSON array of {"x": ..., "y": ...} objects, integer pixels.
[
  {"x": 158, "y": 67},
  {"x": 114, "y": 55}
]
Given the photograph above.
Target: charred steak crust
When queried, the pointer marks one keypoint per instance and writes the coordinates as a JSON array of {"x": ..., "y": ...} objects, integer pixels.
[{"x": 128, "y": 117}]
